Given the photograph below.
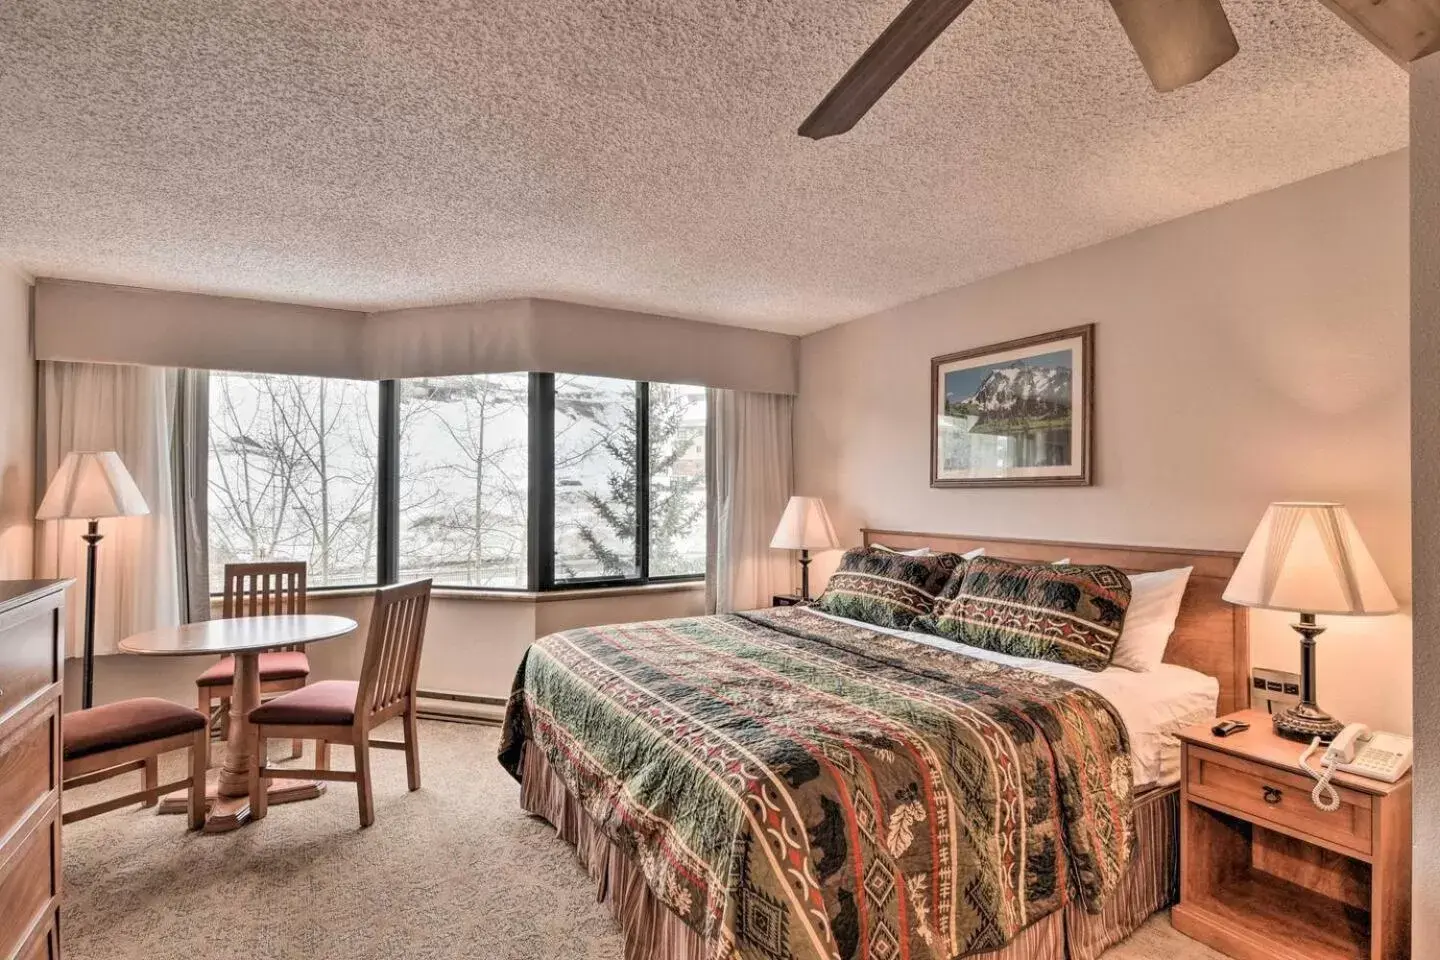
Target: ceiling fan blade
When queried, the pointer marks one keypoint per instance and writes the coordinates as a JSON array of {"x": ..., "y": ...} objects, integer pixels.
[
  {"x": 1405, "y": 30},
  {"x": 880, "y": 66},
  {"x": 1179, "y": 41}
]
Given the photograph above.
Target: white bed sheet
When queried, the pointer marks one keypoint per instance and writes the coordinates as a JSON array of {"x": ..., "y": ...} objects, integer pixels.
[{"x": 1154, "y": 705}]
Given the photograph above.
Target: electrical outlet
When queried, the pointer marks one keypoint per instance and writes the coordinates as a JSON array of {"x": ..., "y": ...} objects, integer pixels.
[{"x": 1272, "y": 690}]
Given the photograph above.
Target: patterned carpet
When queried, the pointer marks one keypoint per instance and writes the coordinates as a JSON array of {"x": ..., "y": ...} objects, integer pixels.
[{"x": 453, "y": 871}]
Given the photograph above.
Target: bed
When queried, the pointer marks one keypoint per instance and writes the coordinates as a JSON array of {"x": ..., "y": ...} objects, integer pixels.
[{"x": 784, "y": 784}]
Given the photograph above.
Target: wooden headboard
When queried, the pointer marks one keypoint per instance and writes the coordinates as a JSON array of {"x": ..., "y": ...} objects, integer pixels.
[{"x": 1210, "y": 636}]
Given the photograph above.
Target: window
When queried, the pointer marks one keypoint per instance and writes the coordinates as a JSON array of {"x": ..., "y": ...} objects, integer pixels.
[
  {"x": 508, "y": 481},
  {"x": 293, "y": 474},
  {"x": 463, "y": 479},
  {"x": 677, "y": 480},
  {"x": 629, "y": 480},
  {"x": 596, "y": 479}
]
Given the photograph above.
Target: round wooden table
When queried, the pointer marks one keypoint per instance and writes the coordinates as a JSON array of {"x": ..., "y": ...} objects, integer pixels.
[{"x": 245, "y": 638}]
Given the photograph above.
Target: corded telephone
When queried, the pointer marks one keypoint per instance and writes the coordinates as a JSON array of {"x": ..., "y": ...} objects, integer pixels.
[{"x": 1355, "y": 750}]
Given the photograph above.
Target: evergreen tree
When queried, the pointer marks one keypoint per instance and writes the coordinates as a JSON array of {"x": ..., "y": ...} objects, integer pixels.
[{"x": 674, "y": 508}]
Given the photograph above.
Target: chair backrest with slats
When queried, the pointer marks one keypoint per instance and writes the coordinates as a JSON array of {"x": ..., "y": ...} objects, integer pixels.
[
  {"x": 392, "y": 652},
  {"x": 263, "y": 590}
]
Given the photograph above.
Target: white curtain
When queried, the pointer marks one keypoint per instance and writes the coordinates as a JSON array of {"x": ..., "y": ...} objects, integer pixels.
[
  {"x": 97, "y": 406},
  {"x": 750, "y": 467}
]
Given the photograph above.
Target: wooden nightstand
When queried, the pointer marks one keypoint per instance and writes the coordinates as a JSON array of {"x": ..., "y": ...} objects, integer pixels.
[
  {"x": 1265, "y": 874},
  {"x": 785, "y": 600}
]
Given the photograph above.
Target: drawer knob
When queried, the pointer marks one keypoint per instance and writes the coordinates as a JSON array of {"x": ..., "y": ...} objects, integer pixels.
[{"x": 1271, "y": 795}]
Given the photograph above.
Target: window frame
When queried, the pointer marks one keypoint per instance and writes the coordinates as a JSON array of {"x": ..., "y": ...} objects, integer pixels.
[{"x": 540, "y": 521}]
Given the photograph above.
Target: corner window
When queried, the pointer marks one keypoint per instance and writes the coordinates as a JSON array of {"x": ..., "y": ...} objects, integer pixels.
[{"x": 510, "y": 481}]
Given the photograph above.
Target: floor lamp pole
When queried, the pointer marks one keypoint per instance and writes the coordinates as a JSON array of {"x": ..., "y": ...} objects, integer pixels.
[{"x": 92, "y": 538}]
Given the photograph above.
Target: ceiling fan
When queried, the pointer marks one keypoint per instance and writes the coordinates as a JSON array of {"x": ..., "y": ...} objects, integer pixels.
[{"x": 1178, "y": 42}]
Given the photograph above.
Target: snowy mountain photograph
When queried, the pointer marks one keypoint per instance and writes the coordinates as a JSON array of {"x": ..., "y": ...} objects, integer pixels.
[{"x": 1013, "y": 413}]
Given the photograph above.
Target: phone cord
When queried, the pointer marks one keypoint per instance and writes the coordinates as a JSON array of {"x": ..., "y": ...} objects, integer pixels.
[{"x": 1324, "y": 795}]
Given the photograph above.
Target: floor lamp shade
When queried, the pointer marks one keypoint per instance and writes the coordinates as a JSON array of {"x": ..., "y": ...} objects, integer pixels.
[
  {"x": 91, "y": 485},
  {"x": 1308, "y": 558},
  {"x": 804, "y": 526}
]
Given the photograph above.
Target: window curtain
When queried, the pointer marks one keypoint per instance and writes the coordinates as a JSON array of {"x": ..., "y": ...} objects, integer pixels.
[
  {"x": 190, "y": 483},
  {"x": 127, "y": 409},
  {"x": 750, "y": 467}
]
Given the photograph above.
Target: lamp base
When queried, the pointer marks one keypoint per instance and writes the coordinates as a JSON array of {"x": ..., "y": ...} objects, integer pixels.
[{"x": 1304, "y": 722}]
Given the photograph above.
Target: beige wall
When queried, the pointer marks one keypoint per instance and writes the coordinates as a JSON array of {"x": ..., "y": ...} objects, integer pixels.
[
  {"x": 1425, "y": 406},
  {"x": 17, "y": 427},
  {"x": 472, "y": 646},
  {"x": 1250, "y": 353}
]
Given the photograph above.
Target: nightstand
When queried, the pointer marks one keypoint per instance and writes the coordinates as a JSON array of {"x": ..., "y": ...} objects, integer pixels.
[
  {"x": 1265, "y": 874},
  {"x": 785, "y": 600}
]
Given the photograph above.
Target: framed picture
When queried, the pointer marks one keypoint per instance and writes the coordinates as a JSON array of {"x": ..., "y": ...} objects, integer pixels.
[{"x": 1014, "y": 414}]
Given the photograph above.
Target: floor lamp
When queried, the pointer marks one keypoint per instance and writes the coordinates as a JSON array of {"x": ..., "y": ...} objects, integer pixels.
[{"x": 91, "y": 486}]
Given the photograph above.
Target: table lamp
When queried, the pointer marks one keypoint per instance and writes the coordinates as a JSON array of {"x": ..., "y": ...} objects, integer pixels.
[
  {"x": 1308, "y": 558},
  {"x": 804, "y": 526},
  {"x": 90, "y": 486}
]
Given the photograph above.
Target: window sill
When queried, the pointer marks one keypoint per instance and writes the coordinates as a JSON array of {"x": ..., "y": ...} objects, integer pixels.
[{"x": 518, "y": 596}]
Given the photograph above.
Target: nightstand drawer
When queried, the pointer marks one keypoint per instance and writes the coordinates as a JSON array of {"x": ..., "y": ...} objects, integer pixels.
[{"x": 1280, "y": 798}]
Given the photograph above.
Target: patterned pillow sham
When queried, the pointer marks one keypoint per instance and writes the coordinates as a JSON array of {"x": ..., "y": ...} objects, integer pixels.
[
  {"x": 885, "y": 588},
  {"x": 1066, "y": 613}
]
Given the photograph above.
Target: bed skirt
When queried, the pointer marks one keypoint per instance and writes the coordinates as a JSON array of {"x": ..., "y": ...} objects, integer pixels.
[{"x": 653, "y": 932}]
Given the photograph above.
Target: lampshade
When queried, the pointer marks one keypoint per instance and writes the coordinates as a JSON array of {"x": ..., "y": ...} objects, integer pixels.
[
  {"x": 90, "y": 485},
  {"x": 804, "y": 526},
  {"x": 1309, "y": 558}
]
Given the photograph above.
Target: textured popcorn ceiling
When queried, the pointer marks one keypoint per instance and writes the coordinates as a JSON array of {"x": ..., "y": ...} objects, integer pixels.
[{"x": 637, "y": 153}]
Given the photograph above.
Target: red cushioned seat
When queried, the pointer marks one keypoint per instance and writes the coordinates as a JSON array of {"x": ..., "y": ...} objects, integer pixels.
[
  {"x": 126, "y": 723},
  {"x": 323, "y": 703},
  {"x": 280, "y": 665}
]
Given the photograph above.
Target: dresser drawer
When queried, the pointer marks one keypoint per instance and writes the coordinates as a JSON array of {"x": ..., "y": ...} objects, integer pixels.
[
  {"x": 28, "y": 884},
  {"x": 28, "y": 659},
  {"x": 28, "y": 778},
  {"x": 45, "y": 945},
  {"x": 1279, "y": 798}
]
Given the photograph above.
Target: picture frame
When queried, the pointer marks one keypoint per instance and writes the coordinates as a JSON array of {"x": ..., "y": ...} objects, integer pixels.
[{"x": 1015, "y": 414}]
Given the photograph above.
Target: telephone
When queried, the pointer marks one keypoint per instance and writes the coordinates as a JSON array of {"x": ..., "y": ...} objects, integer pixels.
[{"x": 1355, "y": 750}]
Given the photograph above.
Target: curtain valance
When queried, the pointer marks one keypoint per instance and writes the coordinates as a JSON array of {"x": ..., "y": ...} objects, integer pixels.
[{"x": 100, "y": 323}]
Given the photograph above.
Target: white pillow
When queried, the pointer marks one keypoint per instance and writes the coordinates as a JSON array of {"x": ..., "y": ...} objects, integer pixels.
[
  {"x": 926, "y": 551},
  {"x": 917, "y": 552},
  {"x": 1154, "y": 605}
]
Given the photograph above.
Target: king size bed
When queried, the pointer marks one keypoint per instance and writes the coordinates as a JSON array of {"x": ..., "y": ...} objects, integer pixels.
[{"x": 791, "y": 784}]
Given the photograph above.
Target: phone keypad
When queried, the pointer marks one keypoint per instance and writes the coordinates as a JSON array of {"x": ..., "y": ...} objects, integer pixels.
[{"x": 1377, "y": 761}]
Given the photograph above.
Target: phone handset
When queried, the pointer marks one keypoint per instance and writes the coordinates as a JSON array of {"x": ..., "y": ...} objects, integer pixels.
[{"x": 1342, "y": 750}]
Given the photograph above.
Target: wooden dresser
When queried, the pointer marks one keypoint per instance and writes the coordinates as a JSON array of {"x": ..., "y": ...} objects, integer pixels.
[{"x": 32, "y": 655}]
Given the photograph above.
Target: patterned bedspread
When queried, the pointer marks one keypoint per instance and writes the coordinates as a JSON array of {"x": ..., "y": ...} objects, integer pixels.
[{"x": 795, "y": 787}]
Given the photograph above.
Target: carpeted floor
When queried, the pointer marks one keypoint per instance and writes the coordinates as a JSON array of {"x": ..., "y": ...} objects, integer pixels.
[{"x": 453, "y": 871}]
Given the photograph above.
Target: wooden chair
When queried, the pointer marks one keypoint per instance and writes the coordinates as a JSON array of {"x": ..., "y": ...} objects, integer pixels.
[
  {"x": 258, "y": 590},
  {"x": 345, "y": 711},
  {"x": 117, "y": 738}
]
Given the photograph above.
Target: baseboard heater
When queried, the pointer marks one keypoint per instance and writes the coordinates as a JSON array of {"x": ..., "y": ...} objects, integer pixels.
[{"x": 460, "y": 707}]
